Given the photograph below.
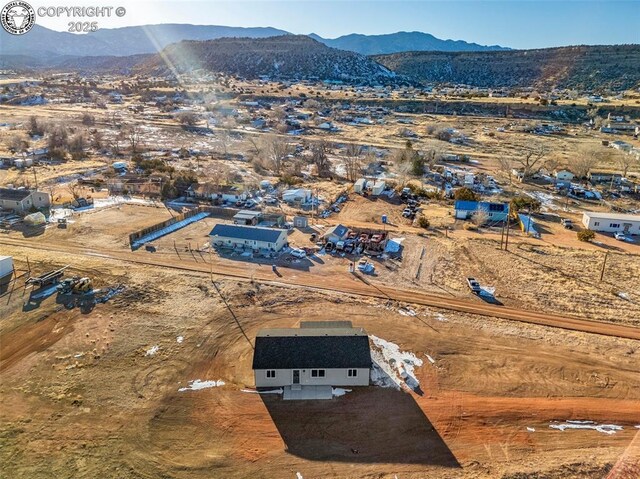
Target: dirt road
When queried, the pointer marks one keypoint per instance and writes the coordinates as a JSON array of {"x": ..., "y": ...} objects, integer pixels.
[{"x": 347, "y": 283}]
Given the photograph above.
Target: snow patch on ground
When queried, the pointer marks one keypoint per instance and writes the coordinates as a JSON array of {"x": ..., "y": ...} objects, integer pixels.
[
  {"x": 179, "y": 339},
  {"x": 441, "y": 317},
  {"x": 546, "y": 200},
  {"x": 392, "y": 367},
  {"x": 531, "y": 429},
  {"x": 152, "y": 350},
  {"x": 406, "y": 311},
  {"x": 270, "y": 391},
  {"x": 197, "y": 384},
  {"x": 339, "y": 391},
  {"x": 431, "y": 360},
  {"x": 169, "y": 229},
  {"x": 603, "y": 428},
  {"x": 299, "y": 476},
  {"x": 625, "y": 296}
]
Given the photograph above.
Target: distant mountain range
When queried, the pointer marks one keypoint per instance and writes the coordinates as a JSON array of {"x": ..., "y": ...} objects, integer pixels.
[
  {"x": 401, "y": 42},
  {"x": 287, "y": 57},
  {"x": 255, "y": 52},
  {"x": 580, "y": 67},
  {"x": 125, "y": 41}
]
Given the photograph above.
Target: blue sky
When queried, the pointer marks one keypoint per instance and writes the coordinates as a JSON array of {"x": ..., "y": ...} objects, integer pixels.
[{"x": 514, "y": 23}]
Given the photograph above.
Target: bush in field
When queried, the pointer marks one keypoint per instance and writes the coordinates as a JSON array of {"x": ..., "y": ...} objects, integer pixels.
[
  {"x": 423, "y": 222},
  {"x": 586, "y": 235},
  {"x": 466, "y": 194},
  {"x": 520, "y": 203}
]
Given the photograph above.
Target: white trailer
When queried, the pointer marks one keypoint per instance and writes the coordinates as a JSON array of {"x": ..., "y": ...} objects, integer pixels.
[{"x": 360, "y": 185}]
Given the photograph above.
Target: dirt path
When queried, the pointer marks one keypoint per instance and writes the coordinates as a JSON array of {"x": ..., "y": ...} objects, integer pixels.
[{"x": 348, "y": 283}]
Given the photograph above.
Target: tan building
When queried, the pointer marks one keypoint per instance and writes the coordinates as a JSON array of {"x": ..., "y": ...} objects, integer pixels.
[{"x": 22, "y": 200}]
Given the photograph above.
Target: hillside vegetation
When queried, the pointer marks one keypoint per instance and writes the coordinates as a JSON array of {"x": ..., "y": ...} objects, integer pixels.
[
  {"x": 284, "y": 57},
  {"x": 582, "y": 67}
]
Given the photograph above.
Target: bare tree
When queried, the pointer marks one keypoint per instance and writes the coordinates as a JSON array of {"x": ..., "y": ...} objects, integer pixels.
[
  {"x": 532, "y": 159},
  {"x": 77, "y": 146},
  {"x": 320, "y": 158},
  {"x": 353, "y": 161},
  {"x": 506, "y": 167},
  {"x": 586, "y": 160},
  {"x": 187, "y": 118},
  {"x": 115, "y": 143},
  {"x": 134, "y": 137},
  {"x": 18, "y": 143},
  {"x": 624, "y": 162},
  {"x": 275, "y": 151},
  {"x": 75, "y": 189}
]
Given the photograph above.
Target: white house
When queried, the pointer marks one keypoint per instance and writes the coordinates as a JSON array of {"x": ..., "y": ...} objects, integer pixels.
[
  {"x": 612, "y": 222},
  {"x": 300, "y": 194},
  {"x": 308, "y": 361},
  {"x": 563, "y": 175},
  {"x": 248, "y": 237},
  {"x": 22, "y": 200}
]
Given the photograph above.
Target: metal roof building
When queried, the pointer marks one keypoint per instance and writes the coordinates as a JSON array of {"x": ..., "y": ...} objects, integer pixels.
[{"x": 248, "y": 237}]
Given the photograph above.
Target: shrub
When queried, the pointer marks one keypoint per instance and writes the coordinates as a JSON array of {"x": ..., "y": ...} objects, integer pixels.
[
  {"x": 466, "y": 194},
  {"x": 586, "y": 235},
  {"x": 520, "y": 203},
  {"x": 423, "y": 222},
  {"x": 470, "y": 227}
]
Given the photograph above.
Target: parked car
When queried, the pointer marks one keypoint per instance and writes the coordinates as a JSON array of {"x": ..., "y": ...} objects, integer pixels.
[
  {"x": 567, "y": 223},
  {"x": 407, "y": 212},
  {"x": 298, "y": 253},
  {"x": 250, "y": 204},
  {"x": 619, "y": 235},
  {"x": 473, "y": 285}
]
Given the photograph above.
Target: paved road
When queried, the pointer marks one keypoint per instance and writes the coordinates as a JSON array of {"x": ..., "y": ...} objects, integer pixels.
[{"x": 343, "y": 283}]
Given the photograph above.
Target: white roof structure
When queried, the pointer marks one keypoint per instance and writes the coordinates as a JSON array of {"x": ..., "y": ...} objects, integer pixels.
[{"x": 612, "y": 216}]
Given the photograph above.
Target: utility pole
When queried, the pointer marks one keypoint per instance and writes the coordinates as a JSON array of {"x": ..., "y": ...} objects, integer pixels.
[
  {"x": 506, "y": 243},
  {"x": 604, "y": 264},
  {"x": 35, "y": 176},
  {"x": 502, "y": 236}
]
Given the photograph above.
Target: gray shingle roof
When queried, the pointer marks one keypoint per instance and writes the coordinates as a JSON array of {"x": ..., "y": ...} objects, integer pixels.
[
  {"x": 13, "y": 194},
  {"x": 293, "y": 352},
  {"x": 251, "y": 233}
]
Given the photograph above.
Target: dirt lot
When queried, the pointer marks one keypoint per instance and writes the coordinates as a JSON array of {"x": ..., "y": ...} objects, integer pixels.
[{"x": 81, "y": 397}]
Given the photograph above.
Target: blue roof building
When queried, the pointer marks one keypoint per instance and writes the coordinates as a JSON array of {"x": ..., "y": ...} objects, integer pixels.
[
  {"x": 496, "y": 212},
  {"x": 248, "y": 237}
]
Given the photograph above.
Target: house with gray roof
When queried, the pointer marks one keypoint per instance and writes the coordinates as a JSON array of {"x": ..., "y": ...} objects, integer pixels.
[
  {"x": 248, "y": 237},
  {"x": 21, "y": 200},
  {"x": 315, "y": 357}
]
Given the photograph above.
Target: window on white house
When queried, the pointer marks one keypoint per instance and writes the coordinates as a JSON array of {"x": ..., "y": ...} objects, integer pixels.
[
  {"x": 597, "y": 223},
  {"x": 271, "y": 373},
  {"x": 352, "y": 373},
  {"x": 317, "y": 373},
  {"x": 614, "y": 225}
]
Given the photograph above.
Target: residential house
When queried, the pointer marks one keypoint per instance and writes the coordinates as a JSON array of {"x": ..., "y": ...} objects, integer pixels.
[
  {"x": 21, "y": 200},
  {"x": 308, "y": 361},
  {"x": 612, "y": 222},
  {"x": 248, "y": 237},
  {"x": 301, "y": 195},
  {"x": 495, "y": 212},
  {"x": 336, "y": 233},
  {"x": 596, "y": 176},
  {"x": 209, "y": 191}
]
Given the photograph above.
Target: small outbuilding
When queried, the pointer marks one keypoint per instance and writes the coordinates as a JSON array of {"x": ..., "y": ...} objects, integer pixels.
[
  {"x": 300, "y": 222},
  {"x": 378, "y": 187},
  {"x": 336, "y": 233},
  {"x": 247, "y": 217},
  {"x": 360, "y": 185},
  {"x": 6, "y": 267}
]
